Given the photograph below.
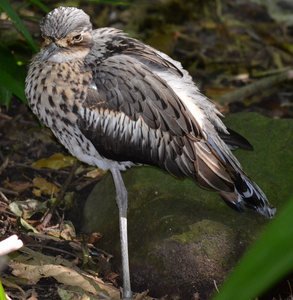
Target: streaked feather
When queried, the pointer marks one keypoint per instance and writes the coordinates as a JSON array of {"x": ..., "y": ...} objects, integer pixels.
[{"x": 128, "y": 103}]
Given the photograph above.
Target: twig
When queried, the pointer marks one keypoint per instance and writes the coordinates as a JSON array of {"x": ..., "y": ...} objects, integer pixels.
[
  {"x": 82, "y": 185},
  {"x": 60, "y": 197},
  {"x": 246, "y": 91},
  {"x": 12, "y": 215},
  {"x": 258, "y": 74},
  {"x": 216, "y": 286},
  {"x": 5, "y": 117},
  {"x": 39, "y": 169},
  {"x": 4, "y": 165},
  {"x": 291, "y": 296},
  {"x": 11, "y": 192},
  {"x": 4, "y": 198},
  {"x": 51, "y": 248}
]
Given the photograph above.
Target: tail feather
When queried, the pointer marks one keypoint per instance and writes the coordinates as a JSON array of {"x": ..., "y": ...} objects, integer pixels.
[
  {"x": 247, "y": 194},
  {"x": 234, "y": 140}
]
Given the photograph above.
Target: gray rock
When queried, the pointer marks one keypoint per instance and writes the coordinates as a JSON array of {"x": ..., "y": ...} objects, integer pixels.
[{"x": 183, "y": 239}]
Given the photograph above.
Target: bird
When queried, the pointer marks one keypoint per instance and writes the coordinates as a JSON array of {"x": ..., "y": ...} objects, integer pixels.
[{"x": 115, "y": 102}]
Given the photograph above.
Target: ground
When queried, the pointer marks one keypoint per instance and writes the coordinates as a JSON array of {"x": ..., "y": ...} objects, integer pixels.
[{"x": 224, "y": 47}]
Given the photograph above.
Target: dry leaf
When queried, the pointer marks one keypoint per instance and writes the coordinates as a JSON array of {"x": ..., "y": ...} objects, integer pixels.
[
  {"x": 68, "y": 231},
  {"x": 62, "y": 274},
  {"x": 18, "y": 186},
  {"x": 27, "y": 208},
  {"x": 55, "y": 162},
  {"x": 34, "y": 265},
  {"x": 9, "y": 283},
  {"x": 95, "y": 173},
  {"x": 42, "y": 186}
]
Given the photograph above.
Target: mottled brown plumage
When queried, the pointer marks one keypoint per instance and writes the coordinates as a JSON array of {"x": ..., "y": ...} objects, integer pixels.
[{"x": 115, "y": 102}]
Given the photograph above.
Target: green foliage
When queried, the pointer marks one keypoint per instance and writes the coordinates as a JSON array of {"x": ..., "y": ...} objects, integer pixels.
[
  {"x": 11, "y": 77},
  {"x": 2, "y": 293},
  {"x": 268, "y": 260},
  {"x": 41, "y": 5},
  {"x": 12, "y": 14},
  {"x": 12, "y": 73}
]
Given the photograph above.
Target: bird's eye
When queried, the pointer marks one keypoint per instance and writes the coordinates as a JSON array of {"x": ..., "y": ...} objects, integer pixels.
[{"x": 77, "y": 38}]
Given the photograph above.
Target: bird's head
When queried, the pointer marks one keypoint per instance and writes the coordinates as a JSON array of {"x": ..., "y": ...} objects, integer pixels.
[{"x": 67, "y": 35}]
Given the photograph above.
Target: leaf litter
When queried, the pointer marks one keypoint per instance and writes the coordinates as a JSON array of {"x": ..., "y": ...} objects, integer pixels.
[
  {"x": 33, "y": 266},
  {"x": 240, "y": 40}
]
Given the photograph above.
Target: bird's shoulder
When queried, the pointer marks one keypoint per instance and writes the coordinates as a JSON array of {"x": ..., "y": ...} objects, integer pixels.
[
  {"x": 125, "y": 79},
  {"x": 110, "y": 42}
]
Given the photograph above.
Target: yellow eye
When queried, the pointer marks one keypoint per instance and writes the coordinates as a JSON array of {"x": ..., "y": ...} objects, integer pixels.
[{"x": 77, "y": 38}]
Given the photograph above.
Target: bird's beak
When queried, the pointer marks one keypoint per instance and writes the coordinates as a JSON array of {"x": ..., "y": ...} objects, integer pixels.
[{"x": 49, "y": 51}]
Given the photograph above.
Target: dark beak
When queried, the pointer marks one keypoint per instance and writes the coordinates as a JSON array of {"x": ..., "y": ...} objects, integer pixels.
[{"x": 49, "y": 51}]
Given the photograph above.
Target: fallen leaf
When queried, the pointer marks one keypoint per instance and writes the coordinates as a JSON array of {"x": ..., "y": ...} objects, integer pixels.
[
  {"x": 34, "y": 265},
  {"x": 55, "y": 162},
  {"x": 42, "y": 186},
  {"x": 9, "y": 283},
  {"x": 68, "y": 232},
  {"x": 18, "y": 186},
  {"x": 69, "y": 200},
  {"x": 66, "y": 293},
  {"x": 62, "y": 274},
  {"x": 25, "y": 225},
  {"x": 95, "y": 173},
  {"x": 27, "y": 208},
  {"x": 95, "y": 237},
  {"x": 141, "y": 296}
]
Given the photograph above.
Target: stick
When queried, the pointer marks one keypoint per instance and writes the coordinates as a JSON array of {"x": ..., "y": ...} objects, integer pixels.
[
  {"x": 60, "y": 197},
  {"x": 248, "y": 90}
]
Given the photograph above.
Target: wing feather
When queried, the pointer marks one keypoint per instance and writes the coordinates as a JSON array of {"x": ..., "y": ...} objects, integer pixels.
[{"x": 132, "y": 114}]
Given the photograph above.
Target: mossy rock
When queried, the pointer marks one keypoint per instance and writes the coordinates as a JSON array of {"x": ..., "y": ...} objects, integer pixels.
[{"x": 183, "y": 238}]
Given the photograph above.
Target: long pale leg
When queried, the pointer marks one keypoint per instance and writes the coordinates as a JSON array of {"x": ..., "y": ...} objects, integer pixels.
[{"x": 121, "y": 199}]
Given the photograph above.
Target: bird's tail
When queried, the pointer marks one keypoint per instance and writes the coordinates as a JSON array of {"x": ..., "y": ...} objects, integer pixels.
[{"x": 248, "y": 194}]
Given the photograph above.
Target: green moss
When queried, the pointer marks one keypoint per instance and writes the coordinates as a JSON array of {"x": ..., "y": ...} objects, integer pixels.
[
  {"x": 169, "y": 217},
  {"x": 197, "y": 230},
  {"x": 213, "y": 239}
]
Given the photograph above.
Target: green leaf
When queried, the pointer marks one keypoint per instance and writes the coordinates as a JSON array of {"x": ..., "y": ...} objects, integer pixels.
[
  {"x": 268, "y": 260},
  {"x": 11, "y": 77},
  {"x": 5, "y": 96},
  {"x": 13, "y": 85},
  {"x": 21, "y": 223},
  {"x": 10, "y": 11},
  {"x": 41, "y": 5},
  {"x": 2, "y": 293},
  {"x": 7, "y": 60}
]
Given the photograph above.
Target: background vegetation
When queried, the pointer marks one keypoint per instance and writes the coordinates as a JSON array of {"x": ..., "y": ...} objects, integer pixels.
[{"x": 225, "y": 45}]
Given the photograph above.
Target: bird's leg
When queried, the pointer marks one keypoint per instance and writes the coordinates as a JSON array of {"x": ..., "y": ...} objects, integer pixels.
[{"x": 121, "y": 199}]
